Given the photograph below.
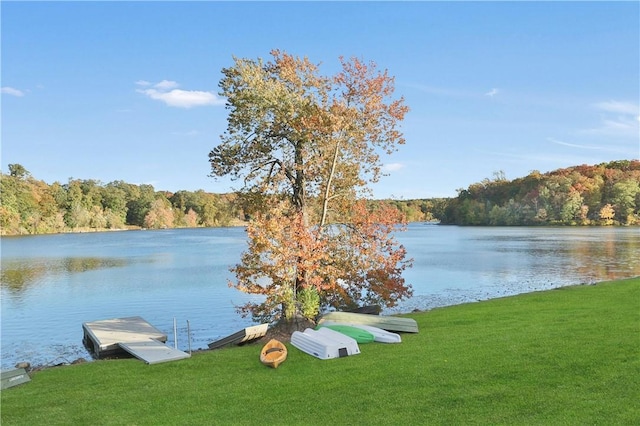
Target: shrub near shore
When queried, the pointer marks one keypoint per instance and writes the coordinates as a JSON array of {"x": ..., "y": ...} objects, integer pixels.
[{"x": 565, "y": 356}]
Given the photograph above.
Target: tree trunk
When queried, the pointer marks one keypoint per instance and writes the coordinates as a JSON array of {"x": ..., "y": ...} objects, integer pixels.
[
  {"x": 299, "y": 205},
  {"x": 299, "y": 180},
  {"x": 325, "y": 201}
]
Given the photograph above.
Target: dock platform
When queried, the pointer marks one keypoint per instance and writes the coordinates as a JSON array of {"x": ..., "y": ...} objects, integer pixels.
[{"x": 133, "y": 335}]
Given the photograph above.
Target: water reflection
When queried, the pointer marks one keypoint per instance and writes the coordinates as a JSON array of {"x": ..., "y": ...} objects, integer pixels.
[
  {"x": 608, "y": 259},
  {"x": 461, "y": 265},
  {"x": 18, "y": 275},
  {"x": 593, "y": 260}
]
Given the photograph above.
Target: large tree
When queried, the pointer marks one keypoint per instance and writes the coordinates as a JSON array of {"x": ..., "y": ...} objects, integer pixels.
[{"x": 305, "y": 147}]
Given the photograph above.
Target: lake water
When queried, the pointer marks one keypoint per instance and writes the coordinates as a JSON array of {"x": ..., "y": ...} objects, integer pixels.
[{"x": 51, "y": 284}]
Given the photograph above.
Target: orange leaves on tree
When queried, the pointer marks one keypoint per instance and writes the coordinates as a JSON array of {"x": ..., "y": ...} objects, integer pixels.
[
  {"x": 347, "y": 264},
  {"x": 376, "y": 261},
  {"x": 284, "y": 257}
]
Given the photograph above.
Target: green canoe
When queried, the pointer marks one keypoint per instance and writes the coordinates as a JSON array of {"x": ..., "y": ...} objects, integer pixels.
[{"x": 358, "y": 334}]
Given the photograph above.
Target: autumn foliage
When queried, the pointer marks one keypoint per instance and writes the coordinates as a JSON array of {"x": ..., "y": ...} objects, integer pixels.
[
  {"x": 344, "y": 264},
  {"x": 305, "y": 147},
  {"x": 601, "y": 194}
]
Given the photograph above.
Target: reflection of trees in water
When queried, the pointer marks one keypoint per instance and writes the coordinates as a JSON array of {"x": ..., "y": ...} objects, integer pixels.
[
  {"x": 608, "y": 259},
  {"x": 82, "y": 264},
  {"x": 18, "y": 276},
  {"x": 590, "y": 258}
]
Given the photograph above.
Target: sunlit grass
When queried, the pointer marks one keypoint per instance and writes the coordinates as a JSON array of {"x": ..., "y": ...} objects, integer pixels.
[{"x": 567, "y": 356}]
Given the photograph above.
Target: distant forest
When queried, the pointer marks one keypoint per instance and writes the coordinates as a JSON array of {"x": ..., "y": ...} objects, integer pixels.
[{"x": 603, "y": 194}]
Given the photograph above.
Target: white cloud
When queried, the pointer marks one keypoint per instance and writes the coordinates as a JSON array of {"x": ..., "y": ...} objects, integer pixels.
[
  {"x": 165, "y": 91},
  {"x": 619, "y": 124},
  {"x": 492, "y": 92},
  {"x": 604, "y": 146},
  {"x": 184, "y": 98},
  {"x": 454, "y": 93},
  {"x": 623, "y": 126},
  {"x": 618, "y": 119},
  {"x": 11, "y": 91},
  {"x": 627, "y": 108},
  {"x": 166, "y": 85},
  {"x": 393, "y": 167},
  {"x": 573, "y": 145}
]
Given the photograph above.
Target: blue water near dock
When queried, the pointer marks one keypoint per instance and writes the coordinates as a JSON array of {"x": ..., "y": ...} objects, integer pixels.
[{"x": 51, "y": 284}]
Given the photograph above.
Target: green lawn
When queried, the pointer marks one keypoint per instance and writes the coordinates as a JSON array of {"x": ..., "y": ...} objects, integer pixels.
[{"x": 567, "y": 356}]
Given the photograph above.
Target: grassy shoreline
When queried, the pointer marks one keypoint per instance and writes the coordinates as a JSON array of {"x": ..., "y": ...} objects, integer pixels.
[{"x": 563, "y": 356}]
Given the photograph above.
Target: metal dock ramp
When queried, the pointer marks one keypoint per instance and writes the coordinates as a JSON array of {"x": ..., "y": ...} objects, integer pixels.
[
  {"x": 153, "y": 352},
  {"x": 133, "y": 335}
]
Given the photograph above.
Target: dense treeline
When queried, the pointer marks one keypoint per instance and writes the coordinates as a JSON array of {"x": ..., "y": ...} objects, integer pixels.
[
  {"x": 31, "y": 206},
  {"x": 422, "y": 210},
  {"x": 604, "y": 194}
]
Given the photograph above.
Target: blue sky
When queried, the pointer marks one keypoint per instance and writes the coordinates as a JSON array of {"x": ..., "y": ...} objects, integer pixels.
[{"x": 128, "y": 91}]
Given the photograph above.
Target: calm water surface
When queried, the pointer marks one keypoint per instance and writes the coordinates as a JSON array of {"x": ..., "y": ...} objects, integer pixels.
[{"x": 51, "y": 284}]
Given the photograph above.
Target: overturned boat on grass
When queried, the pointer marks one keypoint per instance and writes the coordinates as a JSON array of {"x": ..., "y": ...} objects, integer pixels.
[
  {"x": 388, "y": 323},
  {"x": 324, "y": 343},
  {"x": 273, "y": 353},
  {"x": 378, "y": 334}
]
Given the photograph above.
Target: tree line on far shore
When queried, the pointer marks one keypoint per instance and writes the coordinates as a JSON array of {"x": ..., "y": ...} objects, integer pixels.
[
  {"x": 603, "y": 194},
  {"x": 31, "y": 206}
]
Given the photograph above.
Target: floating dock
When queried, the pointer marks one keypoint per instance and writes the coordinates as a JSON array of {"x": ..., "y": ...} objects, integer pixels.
[{"x": 133, "y": 335}]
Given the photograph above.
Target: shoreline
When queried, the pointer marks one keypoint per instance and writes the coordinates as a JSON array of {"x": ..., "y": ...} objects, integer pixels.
[
  {"x": 417, "y": 309},
  {"x": 239, "y": 224}
]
